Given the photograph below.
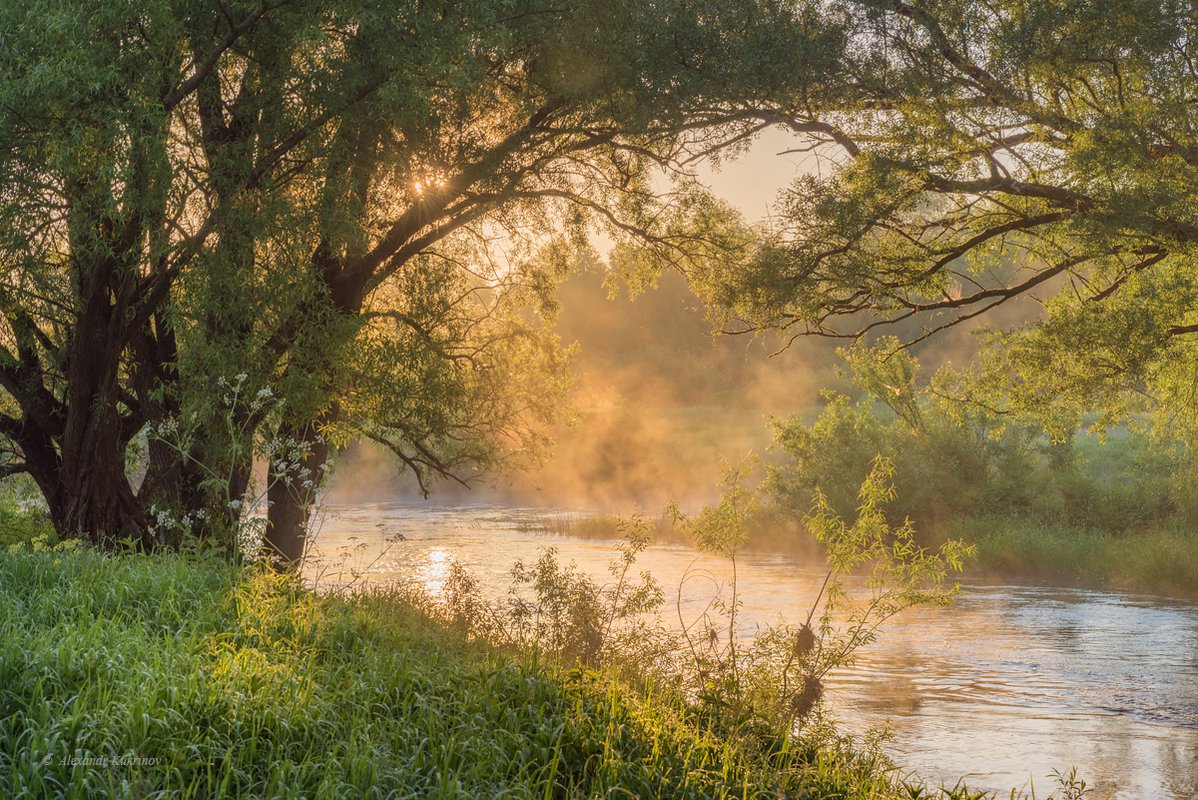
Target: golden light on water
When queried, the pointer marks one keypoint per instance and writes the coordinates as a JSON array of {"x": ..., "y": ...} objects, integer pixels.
[{"x": 435, "y": 572}]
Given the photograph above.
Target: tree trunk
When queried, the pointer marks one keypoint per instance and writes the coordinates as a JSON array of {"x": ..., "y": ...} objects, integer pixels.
[
  {"x": 98, "y": 502},
  {"x": 45, "y": 467},
  {"x": 291, "y": 494}
]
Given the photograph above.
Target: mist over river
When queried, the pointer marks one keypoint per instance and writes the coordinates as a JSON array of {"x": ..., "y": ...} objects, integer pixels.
[{"x": 1011, "y": 683}]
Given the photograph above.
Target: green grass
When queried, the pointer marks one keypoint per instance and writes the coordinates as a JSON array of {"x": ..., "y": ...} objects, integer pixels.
[
  {"x": 769, "y": 532},
  {"x": 1162, "y": 561},
  {"x": 243, "y": 684}
]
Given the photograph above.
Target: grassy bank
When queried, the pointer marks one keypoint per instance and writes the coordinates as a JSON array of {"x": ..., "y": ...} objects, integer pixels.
[
  {"x": 1161, "y": 561},
  {"x": 226, "y": 683}
]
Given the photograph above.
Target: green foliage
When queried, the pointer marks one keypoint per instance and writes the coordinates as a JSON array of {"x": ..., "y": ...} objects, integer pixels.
[
  {"x": 221, "y": 522},
  {"x": 722, "y": 528},
  {"x": 899, "y": 573},
  {"x": 210, "y": 681},
  {"x": 23, "y": 523},
  {"x": 559, "y": 611},
  {"x": 955, "y": 456},
  {"x": 1163, "y": 561},
  {"x": 767, "y": 687}
]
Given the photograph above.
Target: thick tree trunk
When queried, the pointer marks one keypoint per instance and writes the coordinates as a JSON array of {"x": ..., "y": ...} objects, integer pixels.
[
  {"x": 44, "y": 465},
  {"x": 99, "y": 503},
  {"x": 97, "y": 500}
]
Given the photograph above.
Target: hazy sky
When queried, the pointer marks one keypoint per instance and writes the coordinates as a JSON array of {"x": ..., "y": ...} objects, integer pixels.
[{"x": 752, "y": 181}]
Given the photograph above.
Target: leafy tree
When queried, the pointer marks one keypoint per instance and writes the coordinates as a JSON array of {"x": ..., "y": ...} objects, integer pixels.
[
  {"x": 89, "y": 250},
  {"x": 428, "y": 204},
  {"x": 982, "y": 152},
  {"x": 146, "y": 152},
  {"x": 340, "y": 208}
]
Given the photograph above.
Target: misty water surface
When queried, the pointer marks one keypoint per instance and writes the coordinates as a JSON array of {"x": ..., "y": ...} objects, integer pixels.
[{"x": 1011, "y": 683}]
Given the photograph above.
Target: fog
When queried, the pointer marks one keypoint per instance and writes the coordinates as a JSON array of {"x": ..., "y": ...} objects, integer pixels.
[{"x": 659, "y": 403}]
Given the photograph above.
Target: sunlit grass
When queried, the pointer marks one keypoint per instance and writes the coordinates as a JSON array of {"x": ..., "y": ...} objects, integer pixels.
[
  {"x": 243, "y": 684},
  {"x": 1162, "y": 561},
  {"x": 235, "y": 685},
  {"x": 1158, "y": 560},
  {"x": 770, "y": 532}
]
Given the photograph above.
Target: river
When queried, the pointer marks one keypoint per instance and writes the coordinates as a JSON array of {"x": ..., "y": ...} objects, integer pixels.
[{"x": 1011, "y": 683}]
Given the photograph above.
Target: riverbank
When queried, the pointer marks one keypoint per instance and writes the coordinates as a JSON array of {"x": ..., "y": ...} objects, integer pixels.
[
  {"x": 146, "y": 675},
  {"x": 1160, "y": 561},
  {"x": 1152, "y": 560}
]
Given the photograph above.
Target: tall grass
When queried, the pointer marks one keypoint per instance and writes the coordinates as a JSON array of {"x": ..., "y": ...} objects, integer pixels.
[
  {"x": 771, "y": 531},
  {"x": 148, "y": 676},
  {"x": 1161, "y": 561},
  {"x": 237, "y": 684}
]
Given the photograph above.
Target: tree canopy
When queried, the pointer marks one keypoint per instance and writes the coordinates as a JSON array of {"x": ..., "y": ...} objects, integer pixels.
[
  {"x": 975, "y": 153},
  {"x": 272, "y": 226}
]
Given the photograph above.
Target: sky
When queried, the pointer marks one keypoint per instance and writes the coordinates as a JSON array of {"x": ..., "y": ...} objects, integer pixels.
[{"x": 752, "y": 181}]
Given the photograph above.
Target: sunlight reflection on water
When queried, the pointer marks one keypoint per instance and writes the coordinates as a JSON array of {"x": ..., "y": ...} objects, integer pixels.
[{"x": 435, "y": 571}]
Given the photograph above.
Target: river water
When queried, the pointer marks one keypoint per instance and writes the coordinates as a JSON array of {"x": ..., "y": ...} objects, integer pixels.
[{"x": 1011, "y": 683}]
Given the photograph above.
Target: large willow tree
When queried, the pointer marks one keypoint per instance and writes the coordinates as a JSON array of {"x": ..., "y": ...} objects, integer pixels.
[
  {"x": 982, "y": 152},
  {"x": 291, "y": 223}
]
